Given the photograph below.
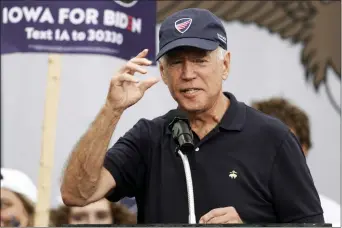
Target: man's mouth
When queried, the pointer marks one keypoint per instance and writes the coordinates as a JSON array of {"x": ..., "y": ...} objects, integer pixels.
[{"x": 189, "y": 90}]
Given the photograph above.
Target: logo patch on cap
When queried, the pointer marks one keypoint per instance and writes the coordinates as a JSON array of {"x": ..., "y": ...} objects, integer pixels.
[{"x": 183, "y": 24}]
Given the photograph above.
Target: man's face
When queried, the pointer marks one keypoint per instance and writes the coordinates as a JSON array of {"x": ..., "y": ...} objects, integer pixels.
[
  {"x": 96, "y": 213},
  {"x": 194, "y": 77},
  {"x": 12, "y": 209}
]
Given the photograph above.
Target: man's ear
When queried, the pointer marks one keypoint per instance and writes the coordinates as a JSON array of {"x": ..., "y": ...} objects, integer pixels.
[
  {"x": 162, "y": 71},
  {"x": 226, "y": 65}
]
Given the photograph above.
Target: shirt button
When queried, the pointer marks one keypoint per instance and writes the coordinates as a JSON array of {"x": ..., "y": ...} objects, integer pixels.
[{"x": 197, "y": 149}]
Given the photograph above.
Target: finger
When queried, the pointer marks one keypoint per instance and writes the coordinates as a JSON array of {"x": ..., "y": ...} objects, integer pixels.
[
  {"x": 146, "y": 84},
  {"x": 141, "y": 61},
  {"x": 143, "y": 53},
  {"x": 219, "y": 220},
  {"x": 213, "y": 213},
  {"x": 133, "y": 67},
  {"x": 127, "y": 78},
  {"x": 234, "y": 221}
]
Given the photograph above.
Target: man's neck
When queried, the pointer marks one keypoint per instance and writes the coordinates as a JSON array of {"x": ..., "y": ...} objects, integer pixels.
[{"x": 203, "y": 123}]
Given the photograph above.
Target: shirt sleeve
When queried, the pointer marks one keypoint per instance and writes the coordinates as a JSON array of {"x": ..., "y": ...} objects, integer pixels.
[
  {"x": 295, "y": 197},
  {"x": 126, "y": 161}
]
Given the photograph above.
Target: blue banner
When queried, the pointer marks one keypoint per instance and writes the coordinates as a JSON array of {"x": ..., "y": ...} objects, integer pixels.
[{"x": 116, "y": 28}]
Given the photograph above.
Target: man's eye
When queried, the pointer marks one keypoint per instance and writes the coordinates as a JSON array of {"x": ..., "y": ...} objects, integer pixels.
[
  {"x": 78, "y": 217},
  {"x": 102, "y": 215},
  {"x": 200, "y": 60},
  {"x": 175, "y": 62},
  {"x": 4, "y": 205}
]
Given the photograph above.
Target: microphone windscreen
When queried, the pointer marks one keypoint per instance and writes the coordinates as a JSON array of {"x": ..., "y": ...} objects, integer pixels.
[{"x": 175, "y": 113}]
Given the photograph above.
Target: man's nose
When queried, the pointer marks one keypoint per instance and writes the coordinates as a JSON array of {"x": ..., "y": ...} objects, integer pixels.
[
  {"x": 4, "y": 215},
  {"x": 7, "y": 219},
  {"x": 188, "y": 71}
]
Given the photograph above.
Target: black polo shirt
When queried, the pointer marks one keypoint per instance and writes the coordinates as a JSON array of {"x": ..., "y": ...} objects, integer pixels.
[{"x": 250, "y": 161}]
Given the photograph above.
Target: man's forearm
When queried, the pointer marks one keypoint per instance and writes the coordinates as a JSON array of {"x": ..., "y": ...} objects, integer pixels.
[{"x": 83, "y": 170}]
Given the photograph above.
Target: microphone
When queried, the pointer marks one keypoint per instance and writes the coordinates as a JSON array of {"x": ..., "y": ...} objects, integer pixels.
[{"x": 181, "y": 132}]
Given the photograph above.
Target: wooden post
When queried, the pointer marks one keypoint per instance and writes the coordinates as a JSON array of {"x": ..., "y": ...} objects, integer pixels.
[{"x": 42, "y": 212}]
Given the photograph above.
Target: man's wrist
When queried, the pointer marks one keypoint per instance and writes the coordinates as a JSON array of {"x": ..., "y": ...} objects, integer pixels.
[{"x": 111, "y": 110}]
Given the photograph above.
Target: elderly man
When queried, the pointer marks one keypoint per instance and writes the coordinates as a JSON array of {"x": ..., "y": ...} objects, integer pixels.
[{"x": 246, "y": 166}]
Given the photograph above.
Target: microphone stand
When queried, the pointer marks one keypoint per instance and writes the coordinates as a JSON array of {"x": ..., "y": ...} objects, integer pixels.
[
  {"x": 183, "y": 136},
  {"x": 189, "y": 186}
]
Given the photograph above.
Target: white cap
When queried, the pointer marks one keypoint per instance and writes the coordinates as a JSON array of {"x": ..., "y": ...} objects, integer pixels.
[{"x": 19, "y": 182}]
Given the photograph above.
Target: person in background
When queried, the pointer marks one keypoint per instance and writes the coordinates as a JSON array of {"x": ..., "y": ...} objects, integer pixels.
[
  {"x": 99, "y": 212},
  {"x": 298, "y": 122},
  {"x": 18, "y": 199}
]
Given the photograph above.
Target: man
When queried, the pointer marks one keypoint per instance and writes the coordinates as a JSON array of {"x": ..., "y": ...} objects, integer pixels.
[
  {"x": 242, "y": 167},
  {"x": 297, "y": 120},
  {"x": 99, "y": 212}
]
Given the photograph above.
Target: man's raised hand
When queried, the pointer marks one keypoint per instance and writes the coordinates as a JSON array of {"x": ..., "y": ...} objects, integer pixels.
[{"x": 125, "y": 89}]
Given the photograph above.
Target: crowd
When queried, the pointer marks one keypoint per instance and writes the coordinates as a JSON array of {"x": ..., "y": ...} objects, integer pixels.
[{"x": 19, "y": 197}]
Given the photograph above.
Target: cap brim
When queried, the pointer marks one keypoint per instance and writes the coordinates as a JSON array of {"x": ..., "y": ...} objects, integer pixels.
[{"x": 190, "y": 42}]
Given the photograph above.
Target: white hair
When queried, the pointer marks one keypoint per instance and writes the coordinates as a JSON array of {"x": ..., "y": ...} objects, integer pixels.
[
  {"x": 161, "y": 59},
  {"x": 220, "y": 52}
]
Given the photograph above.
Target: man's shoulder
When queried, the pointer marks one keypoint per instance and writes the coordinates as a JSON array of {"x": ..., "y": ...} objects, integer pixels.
[
  {"x": 259, "y": 122},
  {"x": 265, "y": 124}
]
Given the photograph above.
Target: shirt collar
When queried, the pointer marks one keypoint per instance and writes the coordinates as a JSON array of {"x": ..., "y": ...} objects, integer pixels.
[{"x": 235, "y": 116}]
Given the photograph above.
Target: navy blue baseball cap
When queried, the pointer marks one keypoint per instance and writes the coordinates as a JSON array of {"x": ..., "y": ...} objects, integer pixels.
[{"x": 191, "y": 27}]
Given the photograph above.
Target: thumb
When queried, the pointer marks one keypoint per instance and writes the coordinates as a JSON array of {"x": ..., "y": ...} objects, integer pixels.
[{"x": 144, "y": 85}]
